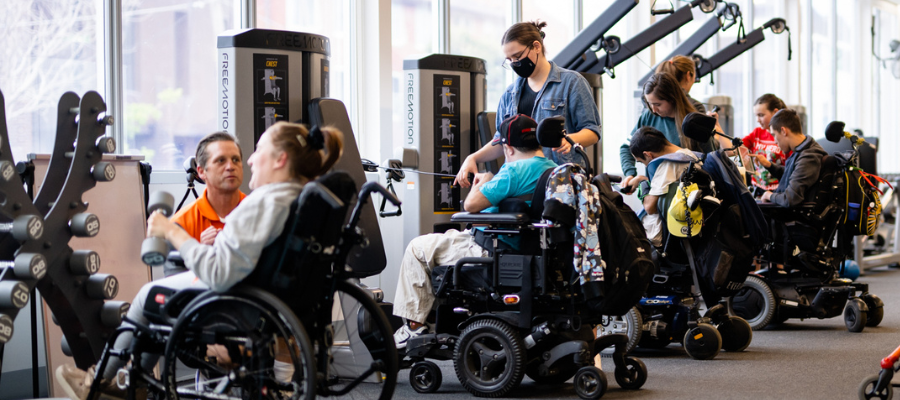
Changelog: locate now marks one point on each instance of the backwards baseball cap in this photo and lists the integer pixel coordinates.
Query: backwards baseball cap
(679, 212)
(517, 131)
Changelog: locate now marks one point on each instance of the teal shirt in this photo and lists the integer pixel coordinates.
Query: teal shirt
(514, 179)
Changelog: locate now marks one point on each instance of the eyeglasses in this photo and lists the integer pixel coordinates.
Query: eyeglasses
(510, 64)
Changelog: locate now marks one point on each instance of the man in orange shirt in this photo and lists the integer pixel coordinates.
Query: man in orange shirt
(219, 164)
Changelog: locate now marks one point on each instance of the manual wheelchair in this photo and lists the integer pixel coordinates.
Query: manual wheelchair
(806, 248)
(298, 306)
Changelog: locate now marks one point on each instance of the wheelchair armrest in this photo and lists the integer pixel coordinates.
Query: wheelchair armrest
(175, 258)
(491, 218)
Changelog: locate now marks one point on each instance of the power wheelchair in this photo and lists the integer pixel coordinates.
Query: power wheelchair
(805, 250)
(690, 271)
(517, 312)
(298, 304)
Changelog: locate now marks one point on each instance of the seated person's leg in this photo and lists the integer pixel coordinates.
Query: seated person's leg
(415, 296)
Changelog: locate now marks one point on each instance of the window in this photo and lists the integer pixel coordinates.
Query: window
(168, 48)
(847, 47)
(558, 15)
(821, 109)
(48, 47)
(412, 27)
(729, 78)
(476, 29)
(768, 61)
(886, 91)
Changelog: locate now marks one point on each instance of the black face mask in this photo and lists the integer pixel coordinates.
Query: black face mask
(524, 68)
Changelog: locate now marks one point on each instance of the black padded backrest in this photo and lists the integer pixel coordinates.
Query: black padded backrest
(486, 127)
(867, 155)
(540, 194)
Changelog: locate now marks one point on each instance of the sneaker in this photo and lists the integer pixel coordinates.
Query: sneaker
(77, 383)
(405, 333)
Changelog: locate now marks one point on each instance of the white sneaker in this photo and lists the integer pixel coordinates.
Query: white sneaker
(405, 333)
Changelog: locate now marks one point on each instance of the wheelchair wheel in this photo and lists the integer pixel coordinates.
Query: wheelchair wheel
(702, 342)
(248, 330)
(425, 377)
(489, 358)
(590, 383)
(736, 334)
(360, 359)
(854, 317)
(633, 375)
(876, 309)
(867, 389)
(755, 302)
(629, 325)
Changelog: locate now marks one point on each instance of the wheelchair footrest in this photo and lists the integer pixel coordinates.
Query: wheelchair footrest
(830, 301)
(438, 346)
(578, 352)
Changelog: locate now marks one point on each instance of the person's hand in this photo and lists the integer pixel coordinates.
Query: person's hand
(564, 148)
(630, 183)
(468, 167)
(762, 160)
(208, 236)
(158, 225)
(482, 178)
(766, 196)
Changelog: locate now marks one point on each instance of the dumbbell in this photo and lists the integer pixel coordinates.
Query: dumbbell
(106, 145)
(104, 171)
(112, 313)
(85, 225)
(13, 294)
(27, 266)
(24, 227)
(84, 262)
(6, 328)
(154, 249)
(102, 286)
(7, 171)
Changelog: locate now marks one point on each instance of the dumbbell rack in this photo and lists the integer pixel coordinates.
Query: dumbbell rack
(67, 280)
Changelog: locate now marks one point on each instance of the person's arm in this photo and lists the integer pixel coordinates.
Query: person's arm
(805, 174)
(476, 201)
(584, 114)
(470, 164)
(777, 170)
(651, 204)
(625, 157)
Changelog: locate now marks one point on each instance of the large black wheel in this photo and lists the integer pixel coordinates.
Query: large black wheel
(867, 389)
(425, 377)
(754, 302)
(633, 375)
(629, 325)
(876, 309)
(489, 358)
(854, 316)
(736, 334)
(703, 342)
(359, 361)
(235, 340)
(590, 383)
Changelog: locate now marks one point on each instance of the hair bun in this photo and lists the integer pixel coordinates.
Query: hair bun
(543, 35)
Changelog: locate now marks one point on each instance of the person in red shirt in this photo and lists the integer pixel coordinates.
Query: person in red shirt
(219, 164)
(760, 144)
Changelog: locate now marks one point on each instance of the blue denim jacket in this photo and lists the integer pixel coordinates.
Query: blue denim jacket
(565, 93)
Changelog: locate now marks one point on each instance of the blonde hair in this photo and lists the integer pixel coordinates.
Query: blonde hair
(664, 87)
(678, 66)
(309, 154)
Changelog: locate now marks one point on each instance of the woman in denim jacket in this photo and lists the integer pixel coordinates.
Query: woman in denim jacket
(550, 91)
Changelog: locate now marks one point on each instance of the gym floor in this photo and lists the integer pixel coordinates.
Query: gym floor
(809, 359)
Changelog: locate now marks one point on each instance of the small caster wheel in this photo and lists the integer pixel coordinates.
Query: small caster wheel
(590, 382)
(854, 316)
(868, 389)
(425, 377)
(876, 309)
(633, 375)
(736, 334)
(703, 342)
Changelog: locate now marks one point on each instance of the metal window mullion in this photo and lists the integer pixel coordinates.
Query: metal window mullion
(112, 60)
(248, 14)
(516, 11)
(748, 78)
(441, 15)
(832, 37)
(578, 15)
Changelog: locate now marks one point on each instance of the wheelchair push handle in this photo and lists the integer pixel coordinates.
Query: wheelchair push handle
(323, 192)
(364, 195)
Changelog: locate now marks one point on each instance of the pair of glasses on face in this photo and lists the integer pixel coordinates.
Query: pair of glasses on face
(508, 64)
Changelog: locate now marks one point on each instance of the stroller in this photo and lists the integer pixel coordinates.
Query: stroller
(519, 313)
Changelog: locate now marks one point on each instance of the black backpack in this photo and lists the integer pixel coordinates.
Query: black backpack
(626, 250)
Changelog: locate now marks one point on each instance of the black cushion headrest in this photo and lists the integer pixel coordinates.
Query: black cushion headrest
(551, 130)
(698, 126)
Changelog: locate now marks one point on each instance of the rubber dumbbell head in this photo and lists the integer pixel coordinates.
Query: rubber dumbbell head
(7, 171)
(162, 201)
(24, 227)
(112, 313)
(104, 171)
(154, 251)
(28, 266)
(6, 328)
(85, 225)
(13, 294)
(106, 145)
(102, 286)
(84, 262)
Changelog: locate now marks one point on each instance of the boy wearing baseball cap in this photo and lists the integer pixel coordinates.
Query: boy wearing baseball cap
(524, 165)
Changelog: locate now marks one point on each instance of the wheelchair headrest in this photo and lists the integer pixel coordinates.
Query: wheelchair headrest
(698, 127)
(551, 131)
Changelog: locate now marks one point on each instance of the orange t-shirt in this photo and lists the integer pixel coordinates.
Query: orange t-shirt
(199, 216)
